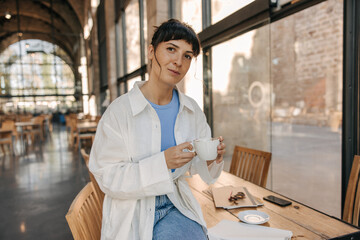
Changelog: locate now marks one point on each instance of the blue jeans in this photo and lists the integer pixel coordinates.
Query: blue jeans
(171, 224)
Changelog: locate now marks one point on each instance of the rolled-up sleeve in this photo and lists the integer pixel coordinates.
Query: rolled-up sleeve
(116, 172)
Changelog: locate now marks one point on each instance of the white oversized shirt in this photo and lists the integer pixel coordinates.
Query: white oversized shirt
(128, 164)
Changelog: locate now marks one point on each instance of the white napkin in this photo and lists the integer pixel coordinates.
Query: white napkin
(230, 230)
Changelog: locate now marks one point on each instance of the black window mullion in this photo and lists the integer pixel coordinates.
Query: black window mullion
(206, 13)
(351, 78)
(171, 9)
(208, 101)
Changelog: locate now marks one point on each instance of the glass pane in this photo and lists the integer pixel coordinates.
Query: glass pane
(132, 36)
(189, 11)
(241, 87)
(223, 8)
(192, 85)
(130, 83)
(306, 72)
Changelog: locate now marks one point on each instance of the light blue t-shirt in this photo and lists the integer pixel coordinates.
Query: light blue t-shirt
(167, 115)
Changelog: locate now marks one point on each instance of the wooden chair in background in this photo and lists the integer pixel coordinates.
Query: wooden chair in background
(352, 198)
(37, 130)
(6, 138)
(85, 214)
(73, 132)
(98, 191)
(251, 165)
(97, 119)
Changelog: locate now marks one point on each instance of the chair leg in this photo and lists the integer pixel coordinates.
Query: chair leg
(77, 139)
(3, 149)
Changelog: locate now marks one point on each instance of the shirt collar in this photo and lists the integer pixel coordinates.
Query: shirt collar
(138, 102)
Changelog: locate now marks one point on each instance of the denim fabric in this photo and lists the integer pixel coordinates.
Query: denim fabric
(171, 224)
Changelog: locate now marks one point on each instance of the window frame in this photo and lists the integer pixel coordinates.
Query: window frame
(142, 70)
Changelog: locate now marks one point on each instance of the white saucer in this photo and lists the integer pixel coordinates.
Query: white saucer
(253, 217)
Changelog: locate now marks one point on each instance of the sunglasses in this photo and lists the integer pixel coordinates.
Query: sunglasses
(237, 196)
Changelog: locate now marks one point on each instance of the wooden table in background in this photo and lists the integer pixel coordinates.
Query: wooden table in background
(85, 126)
(22, 126)
(303, 221)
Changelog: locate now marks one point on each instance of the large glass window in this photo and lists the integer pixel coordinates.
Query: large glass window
(279, 88)
(306, 72)
(30, 68)
(131, 45)
(241, 86)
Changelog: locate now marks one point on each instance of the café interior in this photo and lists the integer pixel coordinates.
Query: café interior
(279, 77)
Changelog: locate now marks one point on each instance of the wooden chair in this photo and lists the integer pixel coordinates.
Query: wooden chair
(97, 118)
(85, 156)
(251, 165)
(352, 198)
(73, 132)
(98, 191)
(38, 130)
(68, 124)
(88, 137)
(7, 138)
(85, 214)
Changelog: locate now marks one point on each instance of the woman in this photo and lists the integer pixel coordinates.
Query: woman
(140, 154)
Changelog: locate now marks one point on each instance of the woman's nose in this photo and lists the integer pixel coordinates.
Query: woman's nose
(178, 60)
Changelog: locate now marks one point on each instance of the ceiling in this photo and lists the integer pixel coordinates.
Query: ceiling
(56, 21)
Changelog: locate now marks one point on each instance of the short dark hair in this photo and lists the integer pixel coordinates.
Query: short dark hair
(175, 30)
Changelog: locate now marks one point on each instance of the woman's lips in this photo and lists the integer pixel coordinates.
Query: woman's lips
(175, 72)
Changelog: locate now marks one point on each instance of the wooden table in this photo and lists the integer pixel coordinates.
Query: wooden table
(23, 125)
(82, 126)
(303, 221)
(85, 127)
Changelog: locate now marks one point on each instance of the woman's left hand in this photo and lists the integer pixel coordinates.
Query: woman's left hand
(220, 150)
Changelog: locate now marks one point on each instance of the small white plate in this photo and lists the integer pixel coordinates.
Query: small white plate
(253, 217)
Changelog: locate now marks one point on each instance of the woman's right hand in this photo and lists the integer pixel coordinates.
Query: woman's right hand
(175, 157)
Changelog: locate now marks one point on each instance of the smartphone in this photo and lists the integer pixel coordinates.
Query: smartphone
(276, 200)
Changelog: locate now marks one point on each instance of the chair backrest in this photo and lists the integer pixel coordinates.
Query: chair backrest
(352, 198)
(97, 118)
(98, 191)
(8, 125)
(25, 118)
(251, 165)
(85, 156)
(84, 215)
(73, 124)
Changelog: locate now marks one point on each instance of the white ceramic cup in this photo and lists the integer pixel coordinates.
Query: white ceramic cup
(206, 148)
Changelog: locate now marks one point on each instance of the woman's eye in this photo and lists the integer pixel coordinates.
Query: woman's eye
(188, 57)
(171, 49)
